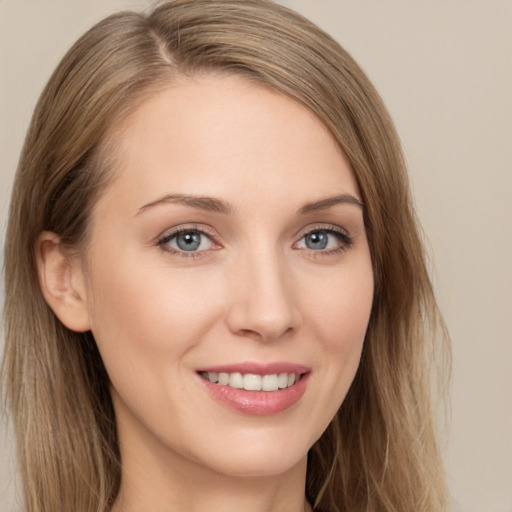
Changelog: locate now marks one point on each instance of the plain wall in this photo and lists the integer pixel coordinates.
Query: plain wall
(444, 69)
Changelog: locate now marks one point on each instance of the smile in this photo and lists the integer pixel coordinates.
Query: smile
(252, 381)
(255, 388)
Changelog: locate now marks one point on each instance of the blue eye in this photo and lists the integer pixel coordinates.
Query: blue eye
(317, 240)
(187, 240)
(325, 240)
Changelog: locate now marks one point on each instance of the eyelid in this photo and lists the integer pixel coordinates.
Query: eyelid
(346, 239)
(322, 227)
(164, 238)
(183, 228)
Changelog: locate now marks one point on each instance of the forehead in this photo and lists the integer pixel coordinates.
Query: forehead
(226, 136)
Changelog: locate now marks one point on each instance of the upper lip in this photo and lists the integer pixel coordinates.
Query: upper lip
(258, 368)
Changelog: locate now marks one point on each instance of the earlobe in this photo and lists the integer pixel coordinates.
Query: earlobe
(62, 283)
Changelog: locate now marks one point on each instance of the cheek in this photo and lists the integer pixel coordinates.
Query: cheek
(145, 326)
(156, 314)
(340, 310)
(338, 319)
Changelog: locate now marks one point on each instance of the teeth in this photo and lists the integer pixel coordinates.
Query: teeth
(236, 380)
(282, 380)
(251, 381)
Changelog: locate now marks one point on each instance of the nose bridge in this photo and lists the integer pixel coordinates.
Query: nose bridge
(263, 301)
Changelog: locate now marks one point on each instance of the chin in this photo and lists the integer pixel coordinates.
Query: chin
(259, 456)
(261, 466)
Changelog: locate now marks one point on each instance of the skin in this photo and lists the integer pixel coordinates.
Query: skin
(255, 291)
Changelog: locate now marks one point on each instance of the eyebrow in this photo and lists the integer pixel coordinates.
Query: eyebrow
(200, 202)
(212, 204)
(324, 204)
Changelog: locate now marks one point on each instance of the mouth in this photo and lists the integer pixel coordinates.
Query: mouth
(253, 381)
(256, 389)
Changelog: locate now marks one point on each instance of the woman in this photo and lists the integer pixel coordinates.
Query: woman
(216, 293)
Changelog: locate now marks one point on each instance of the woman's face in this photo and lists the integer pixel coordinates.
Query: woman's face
(231, 246)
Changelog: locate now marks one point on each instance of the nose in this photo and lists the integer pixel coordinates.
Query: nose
(262, 305)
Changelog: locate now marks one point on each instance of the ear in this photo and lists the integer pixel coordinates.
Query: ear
(62, 282)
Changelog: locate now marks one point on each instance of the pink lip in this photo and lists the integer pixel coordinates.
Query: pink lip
(258, 368)
(258, 402)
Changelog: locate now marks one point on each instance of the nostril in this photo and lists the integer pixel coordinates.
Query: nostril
(265, 334)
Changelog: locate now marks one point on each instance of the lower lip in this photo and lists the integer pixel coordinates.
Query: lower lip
(258, 403)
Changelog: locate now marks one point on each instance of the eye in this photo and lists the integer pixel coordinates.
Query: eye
(186, 241)
(318, 240)
(324, 240)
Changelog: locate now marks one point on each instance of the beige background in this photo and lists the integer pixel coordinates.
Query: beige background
(444, 68)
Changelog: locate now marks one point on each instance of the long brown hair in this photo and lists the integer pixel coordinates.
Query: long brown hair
(380, 452)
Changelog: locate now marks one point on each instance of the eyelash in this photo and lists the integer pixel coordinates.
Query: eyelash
(164, 241)
(345, 240)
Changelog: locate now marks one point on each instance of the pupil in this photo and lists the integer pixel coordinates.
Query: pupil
(189, 241)
(317, 240)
